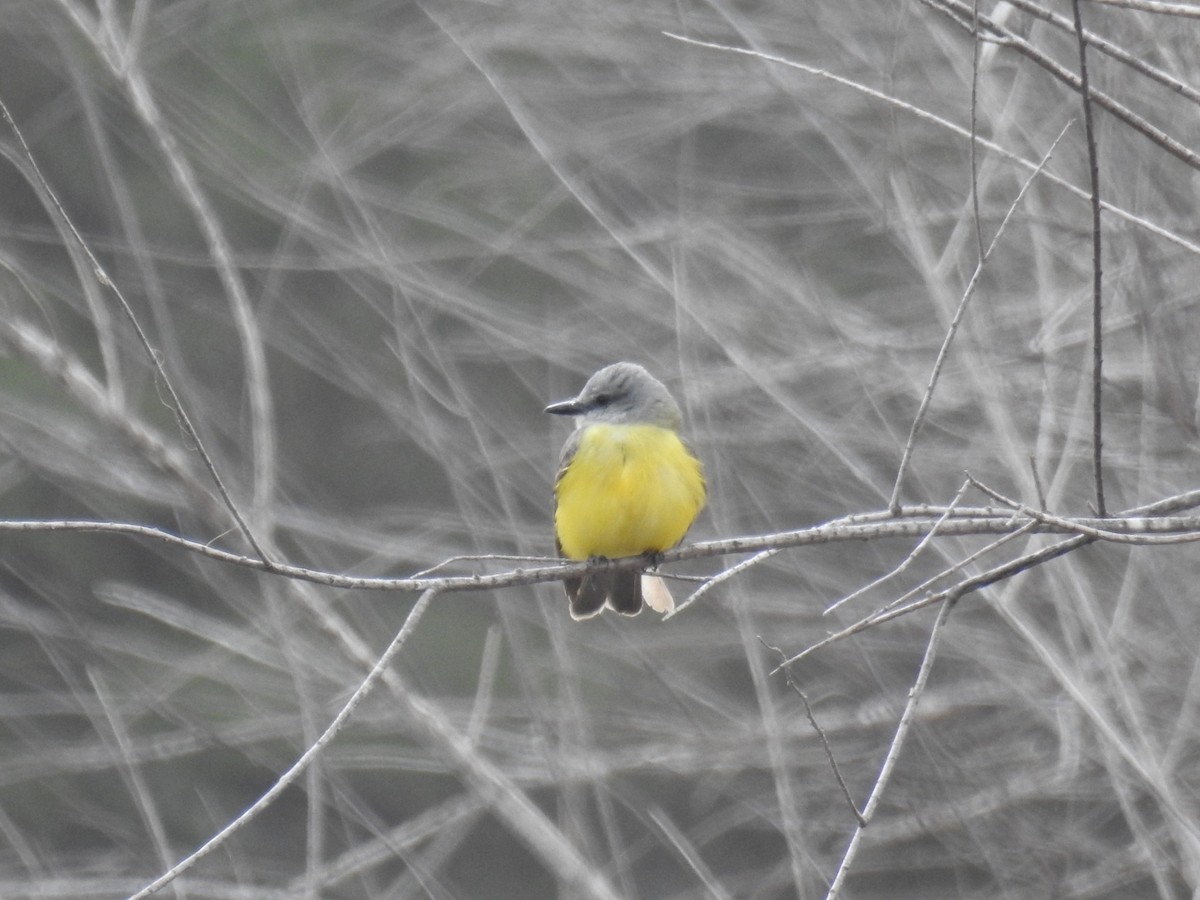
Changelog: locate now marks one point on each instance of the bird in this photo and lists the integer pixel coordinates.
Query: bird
(627, 485)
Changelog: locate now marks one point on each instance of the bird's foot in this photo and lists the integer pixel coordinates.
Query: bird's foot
(653, 559)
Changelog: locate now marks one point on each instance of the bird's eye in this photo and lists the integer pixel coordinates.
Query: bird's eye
(603, 399)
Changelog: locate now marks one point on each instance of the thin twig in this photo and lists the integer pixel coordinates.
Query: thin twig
(1037, 482)
(257, 380)
(297, 768)
(837, 773)
(1186, 10)
(691, 856)
(485, 684)
(1097, 268)
(1100, 534)
(964, 587)
(132, 773)
(959, 566)
(717, 579)
(944, 350)
(975, 132)
(175, 404)
(959, 13)
(908, 560)
(915, 693)
(923, 114)
(1105, 46)
(482, 557)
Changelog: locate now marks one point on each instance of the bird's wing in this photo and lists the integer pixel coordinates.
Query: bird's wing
(568, 453)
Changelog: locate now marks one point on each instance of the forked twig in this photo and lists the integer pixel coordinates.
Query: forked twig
(837, 773)
(889, 761)
(710, 583)
(958, 566)
(908, 560)
(1100, 534)
(951, 594)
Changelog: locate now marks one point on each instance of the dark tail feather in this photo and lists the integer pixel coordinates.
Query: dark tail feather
(587, 595)
(625, 593)
(621, 590)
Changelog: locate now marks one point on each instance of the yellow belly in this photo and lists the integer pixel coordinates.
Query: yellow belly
(629, 489)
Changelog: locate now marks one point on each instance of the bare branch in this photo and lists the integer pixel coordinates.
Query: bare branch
(915, 693)
(297, 768)
(1185, 10)
(1097, 269)
(1108, 48)
(920, 113)
(959, 12)
(102, 276)
(1139, 526)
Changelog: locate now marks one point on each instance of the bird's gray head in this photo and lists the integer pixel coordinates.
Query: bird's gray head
(622, 394)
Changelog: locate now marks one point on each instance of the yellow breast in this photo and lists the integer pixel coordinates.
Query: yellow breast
(628, 490)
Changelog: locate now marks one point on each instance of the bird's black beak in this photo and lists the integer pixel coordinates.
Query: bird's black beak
(565, 408)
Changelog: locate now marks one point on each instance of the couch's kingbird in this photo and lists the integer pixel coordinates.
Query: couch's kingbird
(627, 486)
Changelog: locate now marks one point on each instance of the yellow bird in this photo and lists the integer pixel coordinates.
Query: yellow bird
(627, 486)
